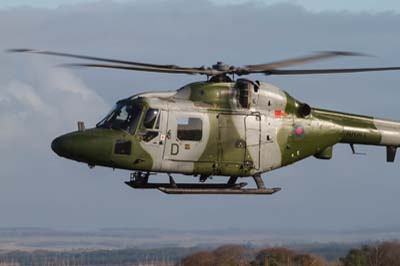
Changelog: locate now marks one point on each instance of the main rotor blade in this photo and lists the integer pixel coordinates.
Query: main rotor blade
(33, 51)
(298, 61)
(326, 71)
(190, 71)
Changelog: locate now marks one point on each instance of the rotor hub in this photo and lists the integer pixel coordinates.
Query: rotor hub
(221, 66)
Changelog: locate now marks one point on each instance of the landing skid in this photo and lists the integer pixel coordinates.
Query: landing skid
(140, 180)
(231, 191)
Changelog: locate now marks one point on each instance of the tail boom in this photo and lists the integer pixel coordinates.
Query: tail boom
(358, 129)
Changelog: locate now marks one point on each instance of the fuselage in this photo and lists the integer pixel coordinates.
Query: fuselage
(237, 128)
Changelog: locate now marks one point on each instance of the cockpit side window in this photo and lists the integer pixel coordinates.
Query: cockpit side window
(150, 125)
(150, 118)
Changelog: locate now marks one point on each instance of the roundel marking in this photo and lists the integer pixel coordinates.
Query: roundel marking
(299, 131)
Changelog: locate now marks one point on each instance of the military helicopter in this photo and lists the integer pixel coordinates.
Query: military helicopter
(218, 127)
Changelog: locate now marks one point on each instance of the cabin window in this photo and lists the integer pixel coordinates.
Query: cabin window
(189, 128)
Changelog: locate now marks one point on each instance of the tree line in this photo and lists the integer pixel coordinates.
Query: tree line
(236, 255)
(383, 254)
(379, 254)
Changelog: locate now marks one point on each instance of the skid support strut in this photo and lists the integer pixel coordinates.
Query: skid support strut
(259, 182)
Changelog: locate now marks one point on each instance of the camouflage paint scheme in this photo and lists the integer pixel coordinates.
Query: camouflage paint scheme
(274, 130)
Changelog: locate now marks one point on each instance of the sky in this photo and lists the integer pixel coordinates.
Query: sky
(39, 101)
(313, 5)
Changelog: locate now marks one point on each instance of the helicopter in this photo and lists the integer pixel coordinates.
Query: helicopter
(220, 126)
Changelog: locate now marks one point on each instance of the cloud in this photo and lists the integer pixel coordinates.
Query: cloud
(51, 106)
(25, 95)
(19, 102)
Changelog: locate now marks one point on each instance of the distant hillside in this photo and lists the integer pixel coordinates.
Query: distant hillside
(29, 239)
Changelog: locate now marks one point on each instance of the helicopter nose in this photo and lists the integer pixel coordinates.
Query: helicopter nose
(87, 146)
(63, 145)
(57, 146)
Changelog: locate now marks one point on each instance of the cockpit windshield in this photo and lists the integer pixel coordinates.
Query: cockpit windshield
(124, 116)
